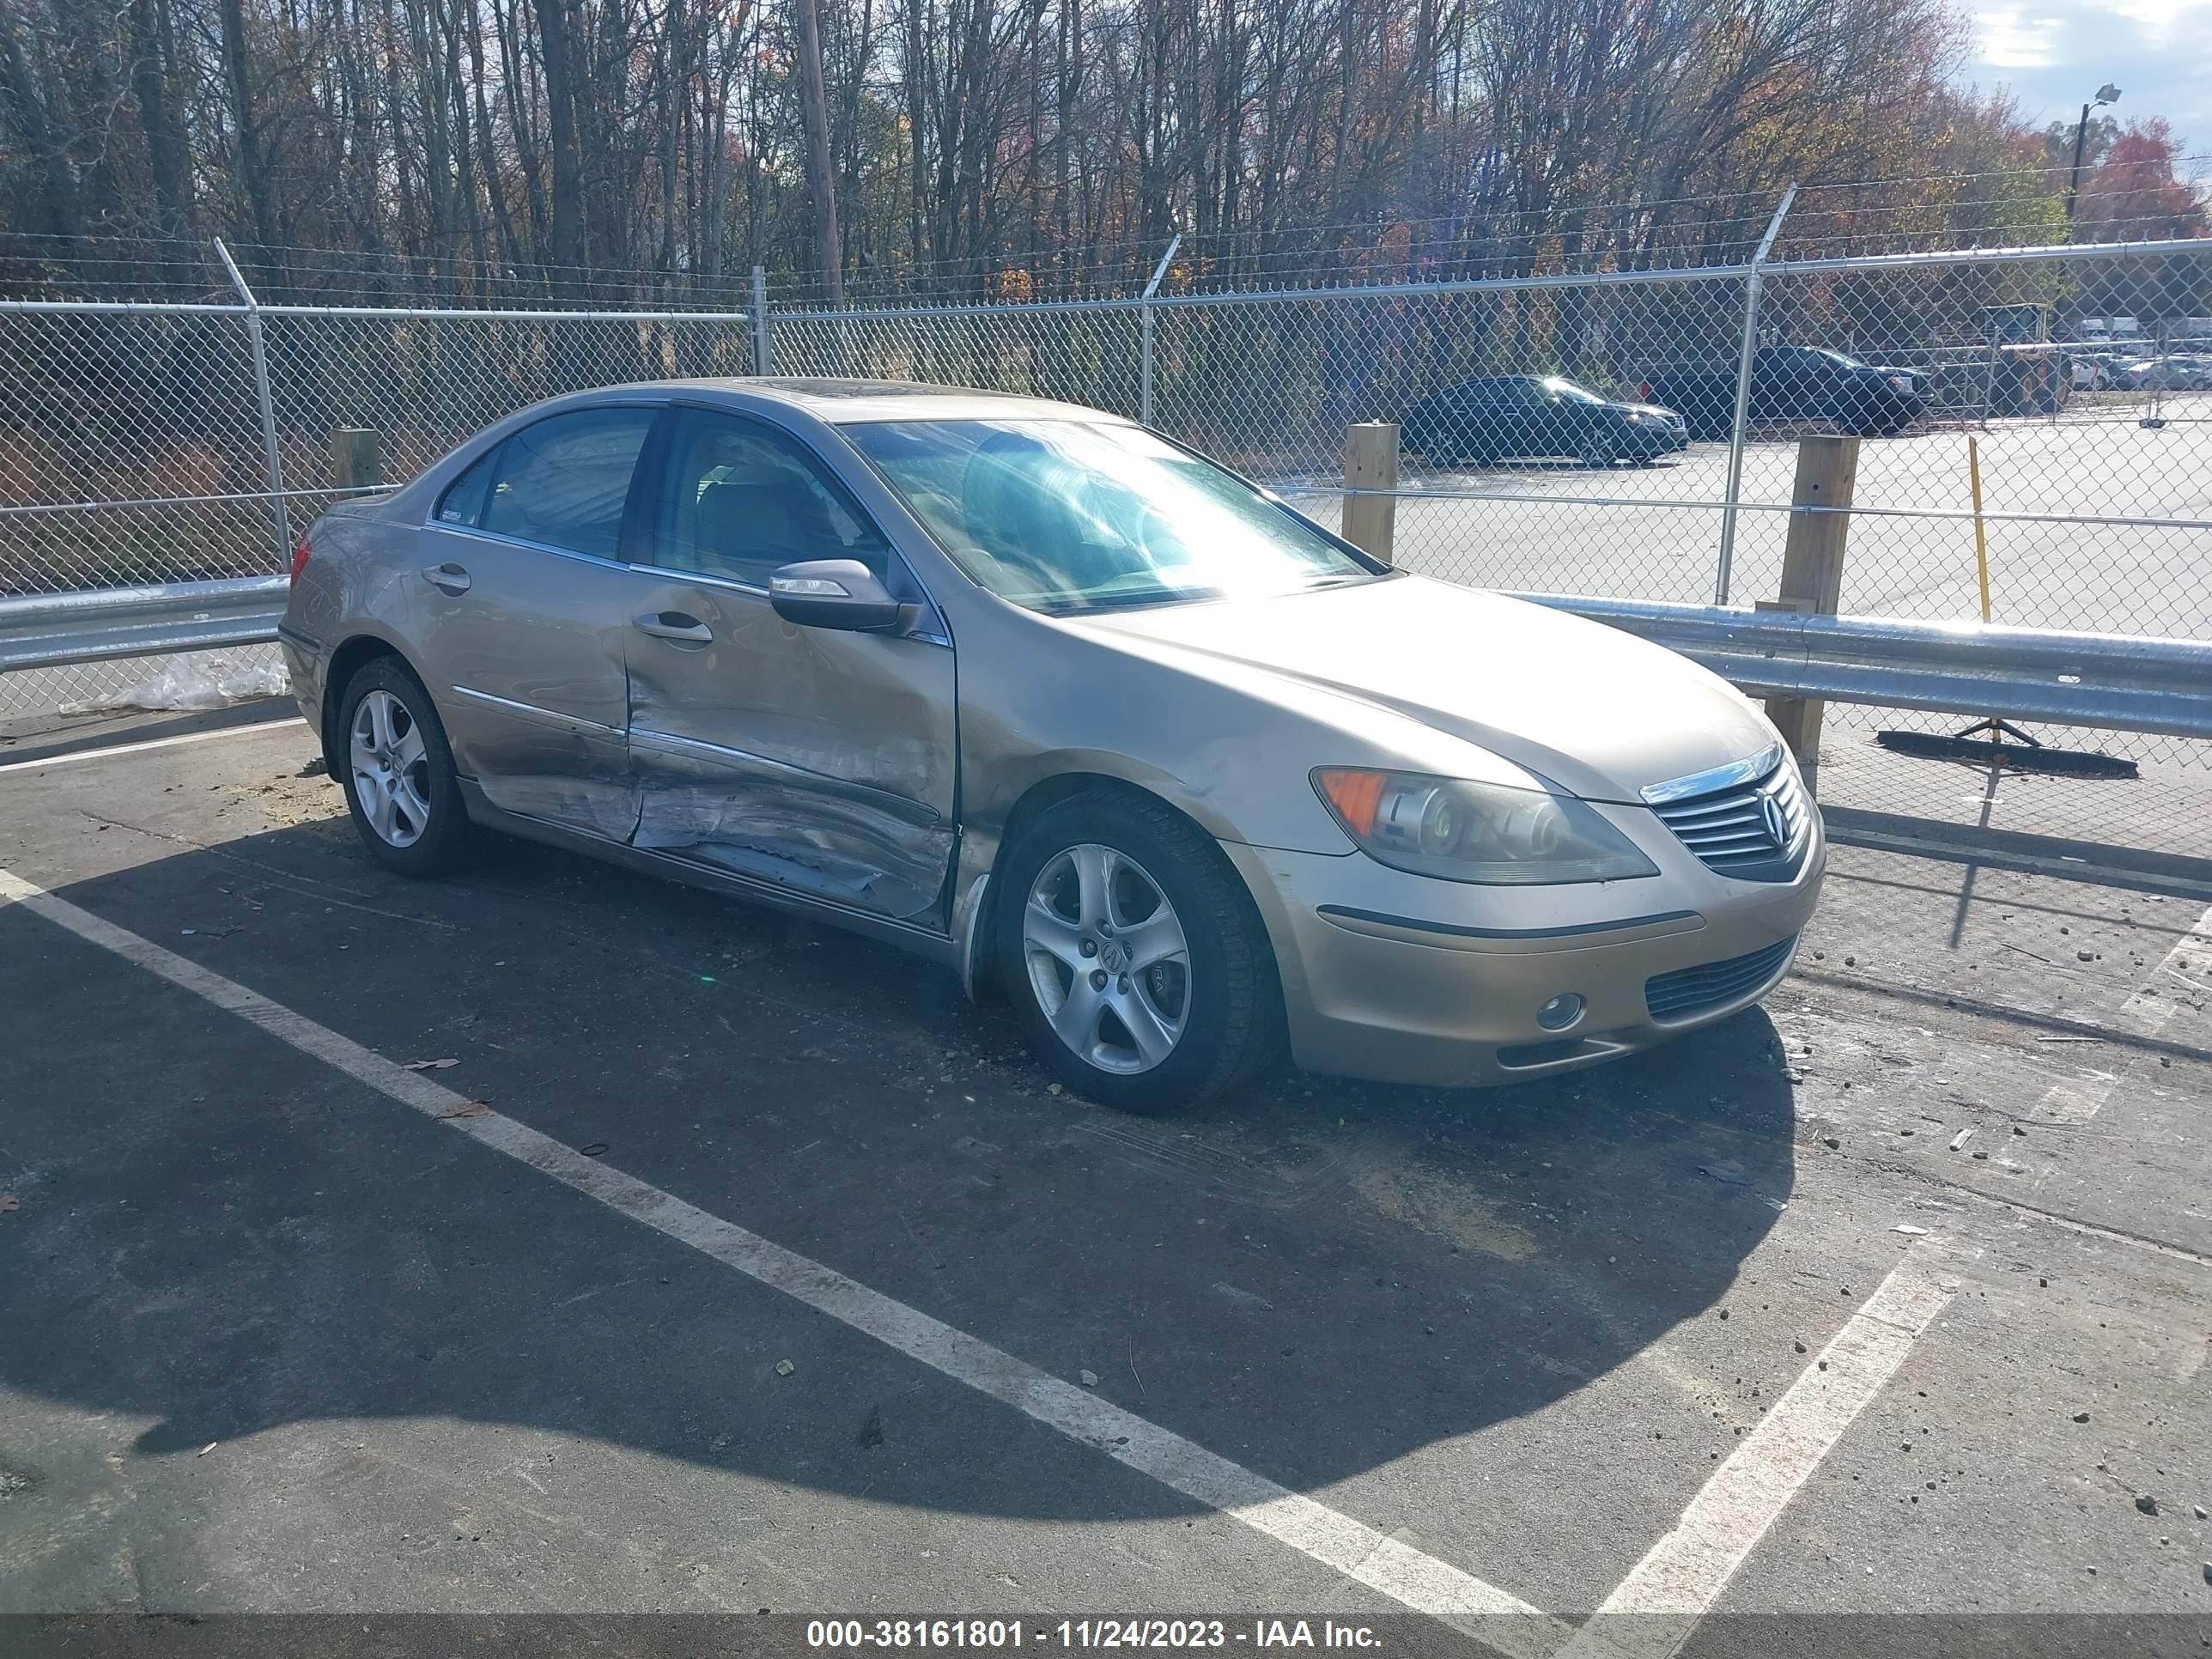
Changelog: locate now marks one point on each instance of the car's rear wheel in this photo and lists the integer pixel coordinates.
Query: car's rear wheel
(1599, 450)
(1133, 954)
(398, 772)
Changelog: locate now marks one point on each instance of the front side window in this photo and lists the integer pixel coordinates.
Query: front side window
(1073, 515)
(740, 499)
(564, 480)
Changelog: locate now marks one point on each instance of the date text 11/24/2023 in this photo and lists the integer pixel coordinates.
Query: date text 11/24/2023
(990, 1634)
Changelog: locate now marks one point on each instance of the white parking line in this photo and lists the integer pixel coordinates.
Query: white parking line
(73, 757)
(1660, 1602)
(1417, 1581)
(2145, 1013)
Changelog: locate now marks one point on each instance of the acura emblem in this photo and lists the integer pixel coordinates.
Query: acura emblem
(1770, 814)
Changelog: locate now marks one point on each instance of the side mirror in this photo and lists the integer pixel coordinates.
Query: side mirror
(841, 594)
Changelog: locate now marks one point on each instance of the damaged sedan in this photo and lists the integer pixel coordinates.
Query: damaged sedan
(1043, 696)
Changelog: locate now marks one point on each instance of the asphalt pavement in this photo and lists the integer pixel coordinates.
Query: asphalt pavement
(552, 1240)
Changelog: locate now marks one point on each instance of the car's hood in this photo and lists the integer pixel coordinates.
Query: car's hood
(1598, 712)
(1648, 411)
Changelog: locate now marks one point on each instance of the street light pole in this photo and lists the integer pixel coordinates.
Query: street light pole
(2107, 94)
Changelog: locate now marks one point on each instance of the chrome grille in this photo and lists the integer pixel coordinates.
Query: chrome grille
(1690, 991)
(1752, 827)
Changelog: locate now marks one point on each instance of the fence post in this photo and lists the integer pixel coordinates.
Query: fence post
(1144, 332)
(763, 355)
(1754, 282)
(1812, 574)
(356, 460)
(272, 461)
(1370, 463)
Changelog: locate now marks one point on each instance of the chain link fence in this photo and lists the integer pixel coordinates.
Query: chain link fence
(2036, 426)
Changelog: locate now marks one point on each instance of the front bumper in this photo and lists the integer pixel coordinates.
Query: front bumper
(1403, 979)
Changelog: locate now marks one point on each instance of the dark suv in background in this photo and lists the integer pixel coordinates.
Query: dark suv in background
(1794, 383)
(1536, 416)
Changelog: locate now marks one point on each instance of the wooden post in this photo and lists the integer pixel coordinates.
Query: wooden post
(1370, 462)
(1812, 575)
(356, 459)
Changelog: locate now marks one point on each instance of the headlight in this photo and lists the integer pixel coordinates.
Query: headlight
(1902, 382)
(1490, 833)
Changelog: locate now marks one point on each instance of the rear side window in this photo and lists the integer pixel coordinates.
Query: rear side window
(563, 482)
(463, 502)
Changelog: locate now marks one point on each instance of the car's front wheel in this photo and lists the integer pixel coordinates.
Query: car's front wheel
(1133, 954)
(398, 773)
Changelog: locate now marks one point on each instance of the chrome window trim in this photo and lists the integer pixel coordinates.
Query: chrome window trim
(1714, 779)
(501, 540)
(531, 711)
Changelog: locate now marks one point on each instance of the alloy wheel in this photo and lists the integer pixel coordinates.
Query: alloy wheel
(391, 769)
(1107, 958)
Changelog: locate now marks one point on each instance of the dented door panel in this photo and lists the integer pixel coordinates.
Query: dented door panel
(818, 760)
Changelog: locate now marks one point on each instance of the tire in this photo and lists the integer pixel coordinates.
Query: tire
(1598, 450)
(1219, 1002)
(408, 812)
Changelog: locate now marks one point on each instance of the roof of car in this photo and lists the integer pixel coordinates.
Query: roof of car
(845, 401)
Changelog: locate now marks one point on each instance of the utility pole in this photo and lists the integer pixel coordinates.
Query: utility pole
(821, 175)
(2107, 94)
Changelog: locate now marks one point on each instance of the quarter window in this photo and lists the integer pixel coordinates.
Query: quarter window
(740, 500)
(463, 502)
(563, 482)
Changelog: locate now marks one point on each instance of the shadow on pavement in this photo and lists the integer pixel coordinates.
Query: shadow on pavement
(219, 1235)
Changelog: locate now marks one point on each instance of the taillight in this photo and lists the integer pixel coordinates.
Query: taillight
(300, 556)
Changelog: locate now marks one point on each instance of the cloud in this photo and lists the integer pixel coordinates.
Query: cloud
(2055, 53)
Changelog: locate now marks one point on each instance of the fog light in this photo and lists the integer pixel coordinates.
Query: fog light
(1560, 1011)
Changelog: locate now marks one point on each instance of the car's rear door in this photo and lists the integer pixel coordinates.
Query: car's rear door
(819, 761)
(524, 622)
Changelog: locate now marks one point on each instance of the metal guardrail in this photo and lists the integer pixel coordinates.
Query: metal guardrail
(2116, 682)
(55, 631)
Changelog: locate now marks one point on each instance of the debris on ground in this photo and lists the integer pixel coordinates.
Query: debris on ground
(2146, 1505)
(205, 1449)
(9, 1201)
(784, 1367)
(1910, 1230)
(1958, 1140)
(2080, 1417)
(1090, 1379)
(196, 680)
(428, 1065)
(317, 768)
(467, 1109)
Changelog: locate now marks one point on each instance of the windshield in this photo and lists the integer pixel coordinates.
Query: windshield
(1569, 390)
(1069, 515)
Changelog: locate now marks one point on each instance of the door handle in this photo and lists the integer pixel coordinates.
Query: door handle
(674, 625)
(447, 578)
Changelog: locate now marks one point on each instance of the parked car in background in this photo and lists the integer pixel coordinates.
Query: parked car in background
(2174, 372)
(1537, 416)
(1794, 384)
(1041, 696)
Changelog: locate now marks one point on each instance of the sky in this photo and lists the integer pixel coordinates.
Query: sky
(2054, 54)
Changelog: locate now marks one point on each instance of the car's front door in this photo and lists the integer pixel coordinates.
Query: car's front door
(818, 760)
(522, 627)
